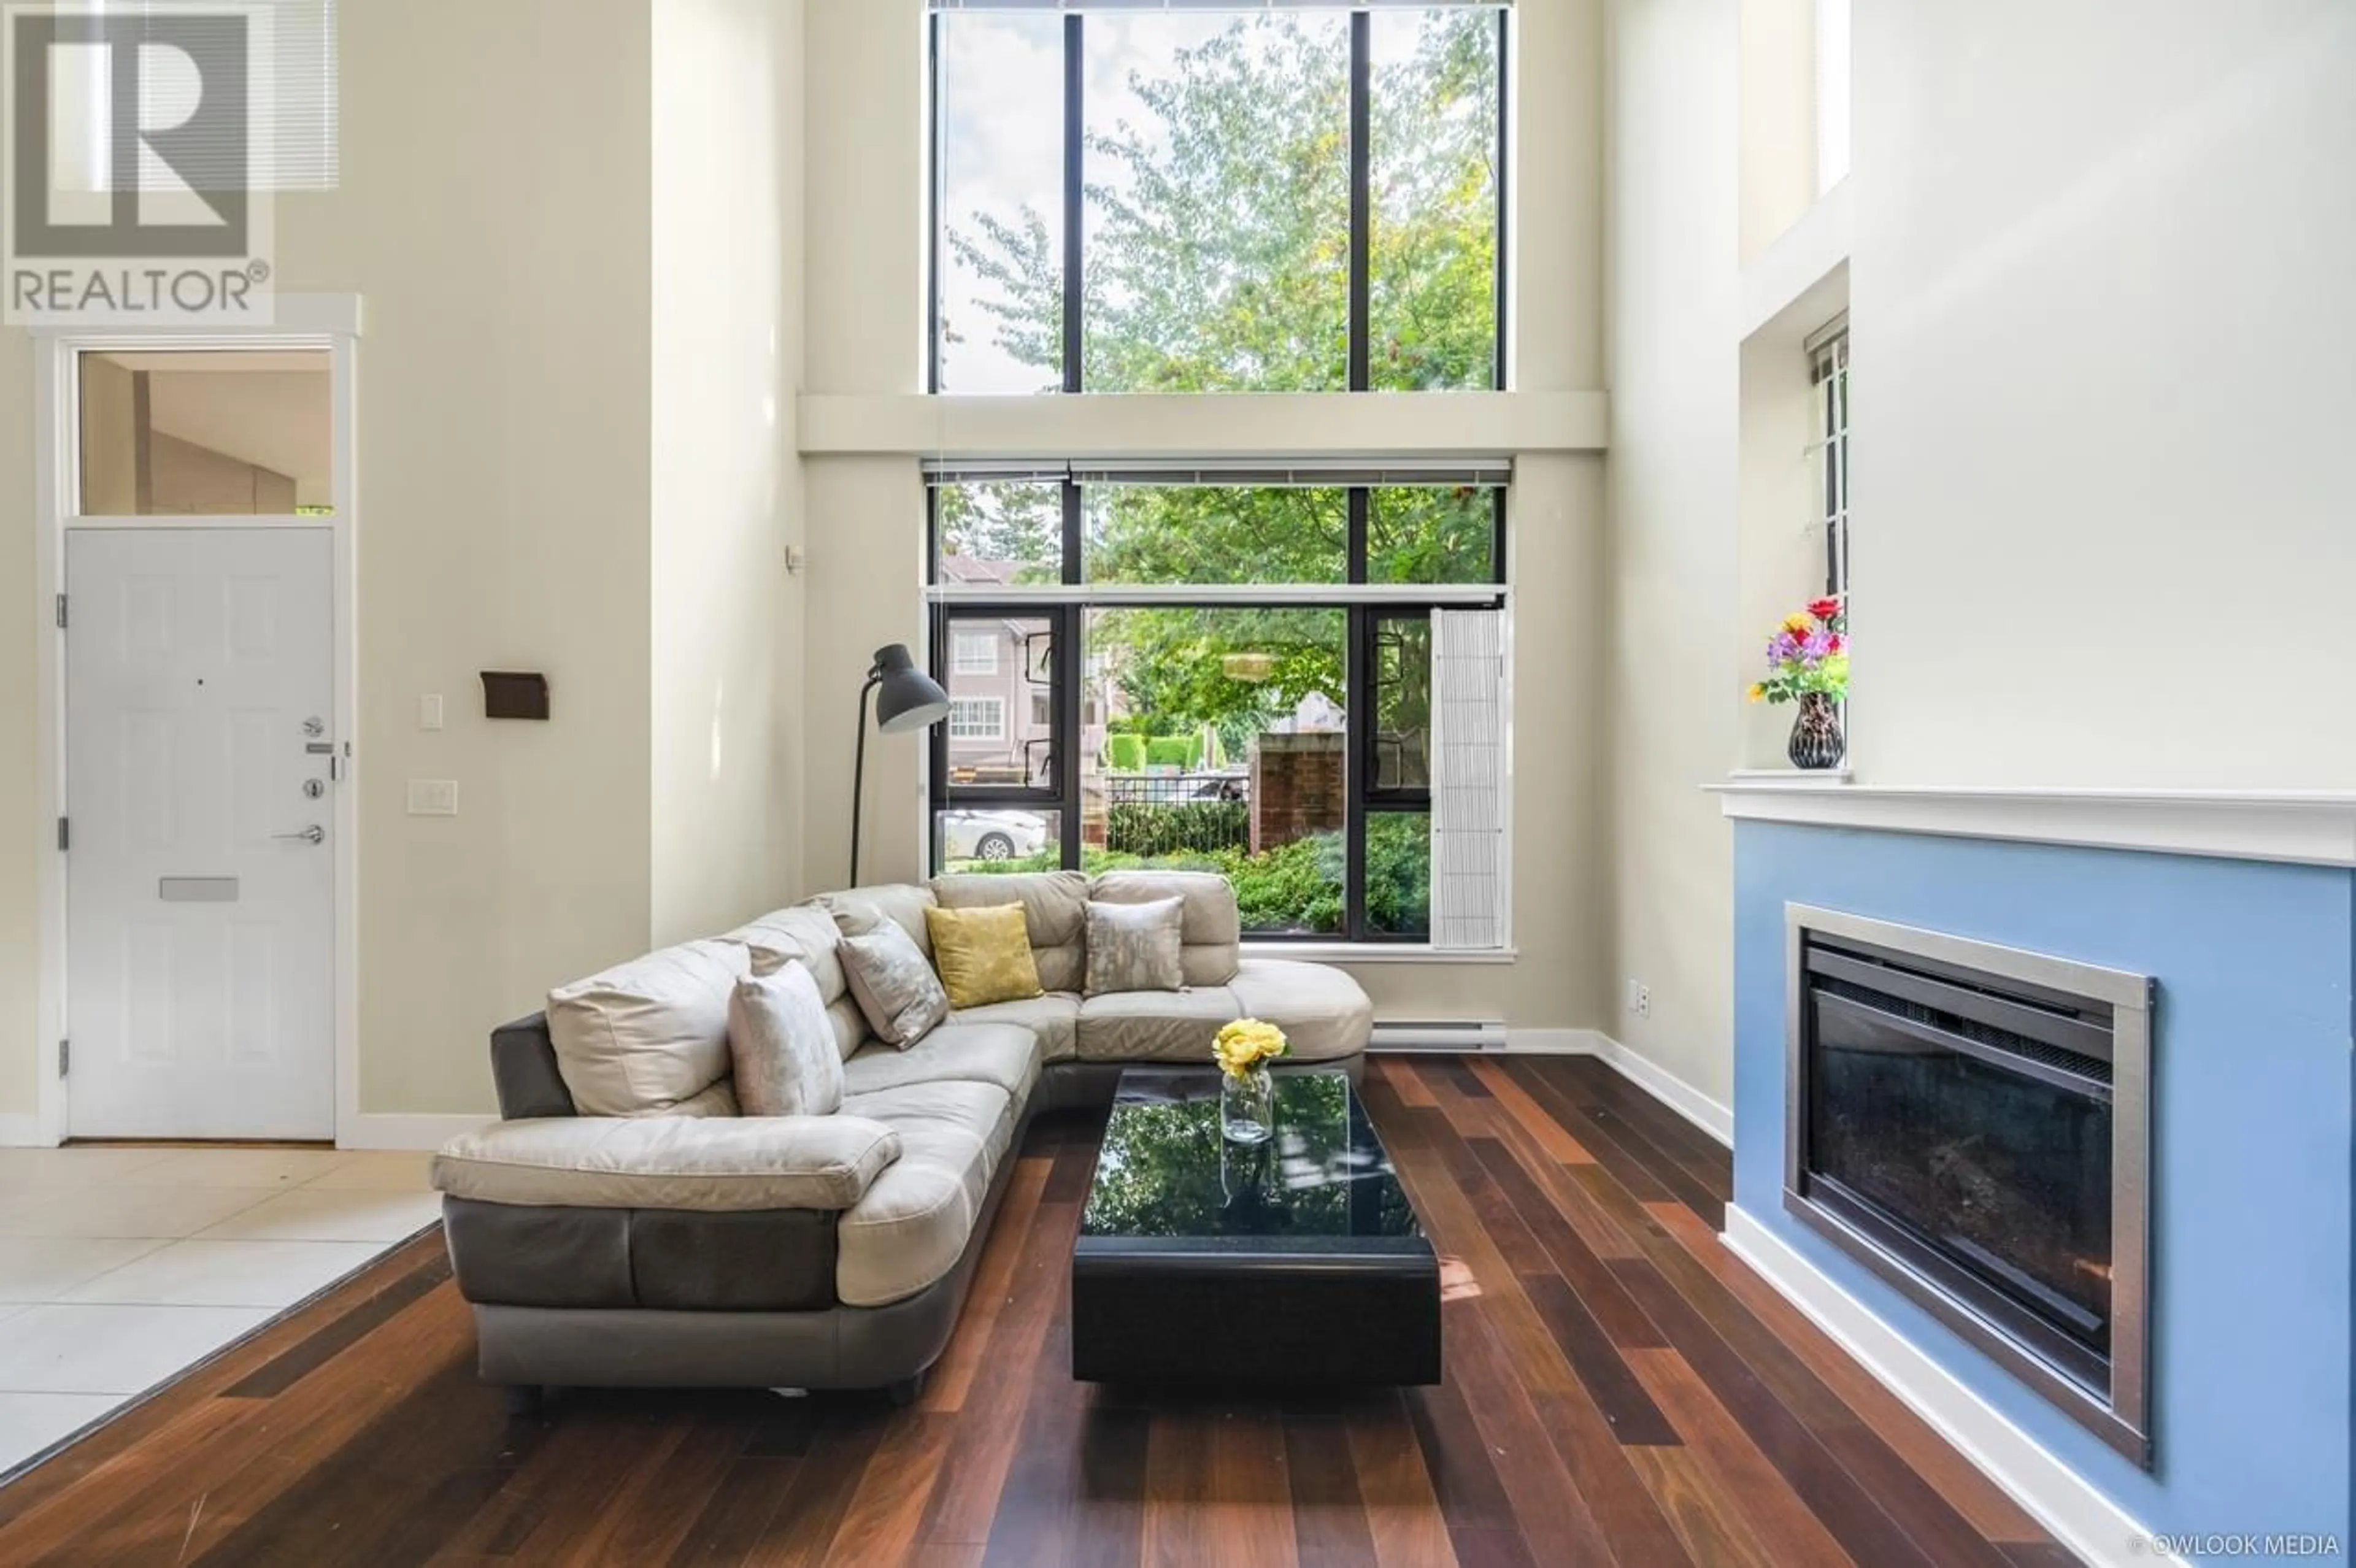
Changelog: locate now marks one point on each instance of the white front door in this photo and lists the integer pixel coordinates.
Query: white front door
(199, 790)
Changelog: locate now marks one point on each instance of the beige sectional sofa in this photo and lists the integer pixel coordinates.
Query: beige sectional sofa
(624, 1226)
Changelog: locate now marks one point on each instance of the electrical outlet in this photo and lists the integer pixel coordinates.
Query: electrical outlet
(1639, 998)
(429, 712)
(432, 797)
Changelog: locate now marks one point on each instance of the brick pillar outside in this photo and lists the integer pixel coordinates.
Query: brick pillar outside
(1300, 786)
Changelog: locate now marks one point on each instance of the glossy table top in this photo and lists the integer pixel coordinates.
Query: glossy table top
(1166, 1175)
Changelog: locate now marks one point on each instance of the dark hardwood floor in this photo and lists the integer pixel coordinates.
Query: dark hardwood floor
(1621, 1391)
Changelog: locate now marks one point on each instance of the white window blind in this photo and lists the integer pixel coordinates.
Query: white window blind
(1221, 5)
(1468, 779)
(294, 144)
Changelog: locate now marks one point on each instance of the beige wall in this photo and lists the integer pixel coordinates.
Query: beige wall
(494, 213)
(1669, 664)
(726, 482)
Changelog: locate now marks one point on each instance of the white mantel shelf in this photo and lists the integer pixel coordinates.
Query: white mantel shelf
(2301, 826)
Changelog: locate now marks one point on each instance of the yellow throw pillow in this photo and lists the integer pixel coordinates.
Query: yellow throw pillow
(983, 954)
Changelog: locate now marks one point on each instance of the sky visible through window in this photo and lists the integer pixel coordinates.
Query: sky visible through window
(1003, 134)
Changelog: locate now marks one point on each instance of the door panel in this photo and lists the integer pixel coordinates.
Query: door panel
(201, 927)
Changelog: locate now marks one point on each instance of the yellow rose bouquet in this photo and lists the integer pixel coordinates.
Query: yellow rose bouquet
(1246, 1095)
(1245, 1044)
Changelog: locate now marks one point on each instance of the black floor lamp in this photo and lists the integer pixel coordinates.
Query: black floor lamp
(910, 699)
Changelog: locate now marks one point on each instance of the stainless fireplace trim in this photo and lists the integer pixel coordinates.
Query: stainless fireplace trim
(2124, 1422)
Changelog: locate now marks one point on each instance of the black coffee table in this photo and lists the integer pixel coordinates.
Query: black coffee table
(1297, 1261)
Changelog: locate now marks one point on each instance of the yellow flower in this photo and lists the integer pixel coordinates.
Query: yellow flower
(1799, 626)
(1758, 692)
(1245, 1044)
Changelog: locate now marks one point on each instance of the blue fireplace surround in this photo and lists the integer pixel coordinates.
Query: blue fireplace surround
(2254, 1274)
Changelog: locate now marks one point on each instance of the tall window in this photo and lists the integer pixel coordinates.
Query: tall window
(1233, 671)
(1828, 351)
(1140, 197)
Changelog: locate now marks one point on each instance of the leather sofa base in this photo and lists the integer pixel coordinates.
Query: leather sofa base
(827, 1348)
(831, 1348)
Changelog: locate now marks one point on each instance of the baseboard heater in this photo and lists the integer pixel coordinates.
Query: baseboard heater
(1446, 1034)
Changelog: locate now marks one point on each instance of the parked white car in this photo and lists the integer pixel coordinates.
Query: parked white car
(991, 835)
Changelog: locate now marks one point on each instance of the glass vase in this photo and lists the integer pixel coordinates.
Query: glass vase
(1818, 742)
(1248, 1107)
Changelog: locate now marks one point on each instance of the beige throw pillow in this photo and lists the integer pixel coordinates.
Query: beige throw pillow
(1137, 947)
(783, 1046)
(646, 1035)
(896, 987)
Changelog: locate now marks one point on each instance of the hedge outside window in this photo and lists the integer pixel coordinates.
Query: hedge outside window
(1283, 743)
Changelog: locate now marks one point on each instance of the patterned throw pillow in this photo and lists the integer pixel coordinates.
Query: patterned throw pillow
(983, 954)
(1137, 947)
(895, 988)
(783, 1046)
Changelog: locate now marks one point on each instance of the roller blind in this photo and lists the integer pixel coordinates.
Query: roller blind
(1468, 779)
(1220, 4)
(1258, 474)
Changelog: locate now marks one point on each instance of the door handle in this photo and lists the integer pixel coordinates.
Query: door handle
(315, 834)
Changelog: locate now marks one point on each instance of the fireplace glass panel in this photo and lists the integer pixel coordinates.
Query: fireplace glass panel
(2004, 1174)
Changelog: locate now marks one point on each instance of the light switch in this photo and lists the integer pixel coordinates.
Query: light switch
(432, 797)
(429, 712)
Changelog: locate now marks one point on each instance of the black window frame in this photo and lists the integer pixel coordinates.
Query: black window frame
(1364, 799)
(1359, 378)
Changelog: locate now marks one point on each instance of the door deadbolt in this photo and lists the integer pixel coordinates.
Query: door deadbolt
(314, 728)
(313, 788)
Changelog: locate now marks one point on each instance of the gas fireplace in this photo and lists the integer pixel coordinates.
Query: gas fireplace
(1972, 1123)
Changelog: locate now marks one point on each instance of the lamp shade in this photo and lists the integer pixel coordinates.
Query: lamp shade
(906, 697)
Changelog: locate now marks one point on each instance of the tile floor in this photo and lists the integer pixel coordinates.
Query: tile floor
(121, 1266)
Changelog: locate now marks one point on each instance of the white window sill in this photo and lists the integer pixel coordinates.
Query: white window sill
(1376, 953)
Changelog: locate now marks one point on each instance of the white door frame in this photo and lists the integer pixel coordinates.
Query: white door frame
(330, 322)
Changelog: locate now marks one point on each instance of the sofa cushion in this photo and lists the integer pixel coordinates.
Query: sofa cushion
(670, 1162)
(895, 983)
(1212, 929)
(1053, 905)
(1324, 1013)
(1136, 947)
(1054, 1018)
(781, 1046)
(1005, 1055)
(857, 912)
(983, 955)
(915, 1220)
(809, 934)
(641, 1037)
(1154, 1025)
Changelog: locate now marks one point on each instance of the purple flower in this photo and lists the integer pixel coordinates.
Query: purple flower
(1818, 645)
(1781, 647)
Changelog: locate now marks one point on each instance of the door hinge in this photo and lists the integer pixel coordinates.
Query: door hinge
(65, 834)
(65, 1057)
(62, 612)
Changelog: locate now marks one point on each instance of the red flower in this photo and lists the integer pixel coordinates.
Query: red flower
(1824, 609)
(1839, 644)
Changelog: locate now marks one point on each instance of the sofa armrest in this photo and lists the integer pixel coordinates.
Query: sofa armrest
(708, 1164)
(524, 1071)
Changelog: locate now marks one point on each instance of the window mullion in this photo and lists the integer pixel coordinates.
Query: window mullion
(1362, 51)
(1074, 199)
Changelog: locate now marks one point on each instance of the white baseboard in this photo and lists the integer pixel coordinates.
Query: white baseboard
(375, 1131)
(2079, 1517)
(1665, 1086)
(23, 1131)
